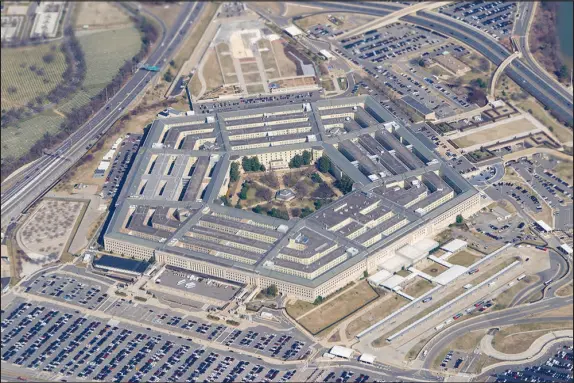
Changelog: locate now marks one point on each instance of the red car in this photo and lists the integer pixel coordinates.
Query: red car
(457, 316)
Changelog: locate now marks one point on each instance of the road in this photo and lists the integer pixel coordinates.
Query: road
(539, 85)
(34, 182)
(515, 315)
(520, 36)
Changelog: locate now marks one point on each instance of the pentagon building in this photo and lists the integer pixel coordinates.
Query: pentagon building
(170, 207)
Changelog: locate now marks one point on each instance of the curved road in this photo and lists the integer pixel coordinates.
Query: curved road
(34, 182)
(515, 315)
(539, 85)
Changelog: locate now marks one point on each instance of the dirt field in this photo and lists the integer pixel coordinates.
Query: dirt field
(463, 258)
(226, 62)
(517, 338)
(287, 67)
(496, 133)
(417, 287)
(100, 15)
(252, 77)
(384, 306)
(249, 67)
(211, 72)
(339, 307)
(255, 89)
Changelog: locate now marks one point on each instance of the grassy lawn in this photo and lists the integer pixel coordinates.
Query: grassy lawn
(435, 269)
(19, 83)
(339, 307)
(418, 288)
(327, 84)
(517, 338)
(191, 42)
(403, 273)
(496, 133)
(565, 290)
(298, 308)
(463, 258)
(386, 305)
(255, 89)
(102, 63)
(564, 171)
(468, 342)
(503, 299)
(252, 77)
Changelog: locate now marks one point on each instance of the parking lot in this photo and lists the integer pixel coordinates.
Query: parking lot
(126, 153)
(493, 17)
(556, 368)
(551, 188)
(75, 290)
(250, 102)
(72, 345)
(377, 52)
(291, 345)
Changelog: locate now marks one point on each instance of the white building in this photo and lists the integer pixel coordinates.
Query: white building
(342, 352)
(454, 246)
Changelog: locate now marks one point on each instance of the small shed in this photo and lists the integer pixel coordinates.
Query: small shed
(342, 352)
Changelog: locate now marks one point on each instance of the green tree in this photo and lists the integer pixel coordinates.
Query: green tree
(167, 76)
(243, 192)
(306, 156)
(305, 212)
(225, 200)
(365, 274)
(421, 62)
(324, 164)
(563, 73)
(318, 300)
(296, 161)
(271, 291)
(246, 164)
(459, 219)
(345, 184)
(234, 172)
(172, 63)
(316, 178)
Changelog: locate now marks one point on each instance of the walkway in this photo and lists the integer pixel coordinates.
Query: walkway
(499, 71)
(536, 346)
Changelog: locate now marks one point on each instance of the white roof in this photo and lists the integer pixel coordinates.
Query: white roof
(412, 253)
(395, 263)
(543, 225)
(393, 282)
(343, 352)
(368, 358)
(293, 30)
(564, 247)
(454, 245)
(104, 165)
(450, 275)
(426, 244)
(326, 53)
(109, 155)
(379, 276)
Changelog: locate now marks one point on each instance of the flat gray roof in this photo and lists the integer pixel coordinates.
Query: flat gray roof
(188, 210)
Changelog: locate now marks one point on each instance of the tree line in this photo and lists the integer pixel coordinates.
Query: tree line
(78, 116)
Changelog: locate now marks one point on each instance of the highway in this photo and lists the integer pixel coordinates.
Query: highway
(538, 85)
(515, 315)
(35, 181)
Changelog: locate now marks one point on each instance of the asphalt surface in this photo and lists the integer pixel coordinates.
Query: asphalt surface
(34, 182)
(539, 85)
(515, 315)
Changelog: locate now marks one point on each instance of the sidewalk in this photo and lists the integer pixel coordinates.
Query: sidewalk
(533, 350)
